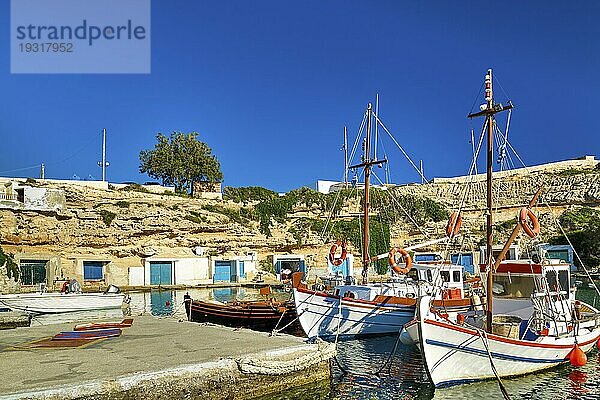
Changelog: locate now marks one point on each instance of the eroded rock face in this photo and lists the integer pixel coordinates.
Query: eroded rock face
(120, 226)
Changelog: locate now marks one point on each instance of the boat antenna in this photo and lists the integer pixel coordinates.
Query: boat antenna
(489, 110)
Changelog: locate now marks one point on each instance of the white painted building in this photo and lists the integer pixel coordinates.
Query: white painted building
(234, 269)
(188, 271)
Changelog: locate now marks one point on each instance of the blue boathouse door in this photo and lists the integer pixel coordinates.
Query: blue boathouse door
(160, 273)
(222, 271)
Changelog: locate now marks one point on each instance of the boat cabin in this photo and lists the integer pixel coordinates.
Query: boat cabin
(522, 288)
(420, 281)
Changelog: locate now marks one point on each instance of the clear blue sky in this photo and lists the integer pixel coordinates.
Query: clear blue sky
(269, 86)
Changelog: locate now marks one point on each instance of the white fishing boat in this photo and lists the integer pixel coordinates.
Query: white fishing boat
(378, 308)
(348, 310)
(531, 321)
(62, 302)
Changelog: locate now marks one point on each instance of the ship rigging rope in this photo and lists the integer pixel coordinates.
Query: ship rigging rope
(401, 148)
(557, 222)
(358, 136)
(466, 191)
(395, 200)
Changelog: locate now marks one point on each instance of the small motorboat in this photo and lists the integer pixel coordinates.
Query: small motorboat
(66, 301)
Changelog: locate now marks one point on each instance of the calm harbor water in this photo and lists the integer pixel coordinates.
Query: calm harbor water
(367, 369)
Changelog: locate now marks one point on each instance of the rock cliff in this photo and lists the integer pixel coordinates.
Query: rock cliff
(127, 225)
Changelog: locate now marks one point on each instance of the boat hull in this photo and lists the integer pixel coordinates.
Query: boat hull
(257, 315)
(456, 354)
(54, 303)
(327, 316)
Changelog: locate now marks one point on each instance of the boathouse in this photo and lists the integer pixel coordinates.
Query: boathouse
(165, 271)
(286, 264)
(234, 269)
(563, 252)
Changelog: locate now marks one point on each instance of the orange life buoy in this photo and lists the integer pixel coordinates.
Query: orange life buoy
(454, 223)
(405, 256)
(531, 231)
(337, 261)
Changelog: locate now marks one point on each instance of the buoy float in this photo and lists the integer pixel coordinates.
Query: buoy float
(577, 357)
(332, 258)
(405, 256)
(454, 223)
(524, 214)
(167, 303)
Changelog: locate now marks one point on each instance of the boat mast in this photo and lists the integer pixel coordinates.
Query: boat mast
(367, 163)
(365, 250)
(488, 110)
(489, 96)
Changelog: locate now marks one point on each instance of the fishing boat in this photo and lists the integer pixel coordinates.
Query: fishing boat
(349, 310)
(264, 315)
(531, 320)
(62, 302)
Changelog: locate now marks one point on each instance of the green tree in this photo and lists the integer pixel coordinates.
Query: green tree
(582, 225)
(180, 160)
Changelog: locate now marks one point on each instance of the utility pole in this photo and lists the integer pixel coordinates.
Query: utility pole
(103, 164)
(422, 173)
(43, 172)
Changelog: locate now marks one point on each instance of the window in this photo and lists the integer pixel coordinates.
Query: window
(93, 270)
(413, 274)
(32, 272)
(562, 283)
(513, 286)
(456, 276)
(445, 276)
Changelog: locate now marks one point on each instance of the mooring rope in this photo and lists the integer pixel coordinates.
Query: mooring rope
(483, 336)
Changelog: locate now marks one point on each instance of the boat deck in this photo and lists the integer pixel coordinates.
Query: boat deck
(157, 356)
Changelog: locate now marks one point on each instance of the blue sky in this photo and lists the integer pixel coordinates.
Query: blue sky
(269, 86)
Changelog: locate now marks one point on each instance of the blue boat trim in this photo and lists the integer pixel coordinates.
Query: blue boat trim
(494, 355)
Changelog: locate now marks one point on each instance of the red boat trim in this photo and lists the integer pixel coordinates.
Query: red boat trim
(506, 340)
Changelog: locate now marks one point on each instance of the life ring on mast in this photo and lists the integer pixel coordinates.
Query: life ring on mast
(531, 231)
(337, 261)
(454, 223)
(392, 260)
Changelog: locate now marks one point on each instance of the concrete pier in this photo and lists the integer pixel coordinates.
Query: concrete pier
(14, 319)
(159, 358)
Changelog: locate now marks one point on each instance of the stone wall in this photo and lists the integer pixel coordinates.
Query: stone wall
(514, 190)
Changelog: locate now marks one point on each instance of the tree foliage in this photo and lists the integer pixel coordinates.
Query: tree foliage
(180, 160)
(582, 226)
(7, 260)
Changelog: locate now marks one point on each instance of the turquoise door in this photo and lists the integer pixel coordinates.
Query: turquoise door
(222, 271)
(160, 273)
